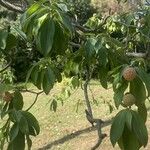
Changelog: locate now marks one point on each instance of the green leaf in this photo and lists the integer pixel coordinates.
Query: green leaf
(63, 7)
(32, 131)
(58, 75)
(60, 37)
(65, 20)
(128, 140)
(23, 125)
(33, 9)
(129, 119)
(15, 116)
(48, 80)
(5, 87)
(11, 42)
(18, 100)
(13, 132)
(75, 82)
(119, 93)
(117, 127)
(139, 128)
(32, 121)
(142, 110)
(137, 88)
(18, 143)
(103, 72)
(46, 36)
(89, 48)
(4, 110)
(53, 105)
(40, 79)
(145, 78)
(34, 74)
(3, 38)
(20, 33)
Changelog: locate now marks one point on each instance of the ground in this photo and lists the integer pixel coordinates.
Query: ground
(67, 129)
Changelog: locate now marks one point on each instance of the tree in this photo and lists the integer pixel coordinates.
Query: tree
(113, 48)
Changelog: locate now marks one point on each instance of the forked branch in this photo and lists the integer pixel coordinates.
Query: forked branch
(89, 113)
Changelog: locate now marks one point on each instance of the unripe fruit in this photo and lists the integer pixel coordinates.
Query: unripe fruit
(129, 73)
(128, 99)
(7, 97)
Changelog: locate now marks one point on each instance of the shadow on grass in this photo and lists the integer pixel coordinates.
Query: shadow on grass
(72, 136)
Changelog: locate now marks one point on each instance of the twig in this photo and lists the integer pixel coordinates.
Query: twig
(75, 44)
(29, 91)
(36, 98)
(138, 55)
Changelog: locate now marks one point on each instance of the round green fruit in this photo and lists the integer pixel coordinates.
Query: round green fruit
(128, 100)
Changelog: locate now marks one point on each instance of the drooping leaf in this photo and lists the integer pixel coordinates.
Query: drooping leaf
(103, 76)
(117, 127)
(11, 42)
(119, 93)
(18, 143)
(3, 38)
(89, 48)
(128, 140)
(60, 37)
(34, 74)
(13, 132)
(145, 78)
(142, 110)
(15, 116)
(32, 121)
(75, 82)
(23, 125)
(129, 119)
(40, 77)
(65, 20)
(137, 88)
(18, 100)
(53, 105)
(139, 128)
(46, 36)
(48, 80)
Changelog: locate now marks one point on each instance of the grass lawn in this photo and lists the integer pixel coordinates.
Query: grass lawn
(67, 129)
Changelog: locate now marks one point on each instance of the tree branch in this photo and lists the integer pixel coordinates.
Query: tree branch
(89, 114)
(13, 6)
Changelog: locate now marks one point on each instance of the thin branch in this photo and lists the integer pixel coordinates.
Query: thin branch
(89, 109)
(13, 7)
(29, 91)
(36, 98)
(138, 55)
(75, 44)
